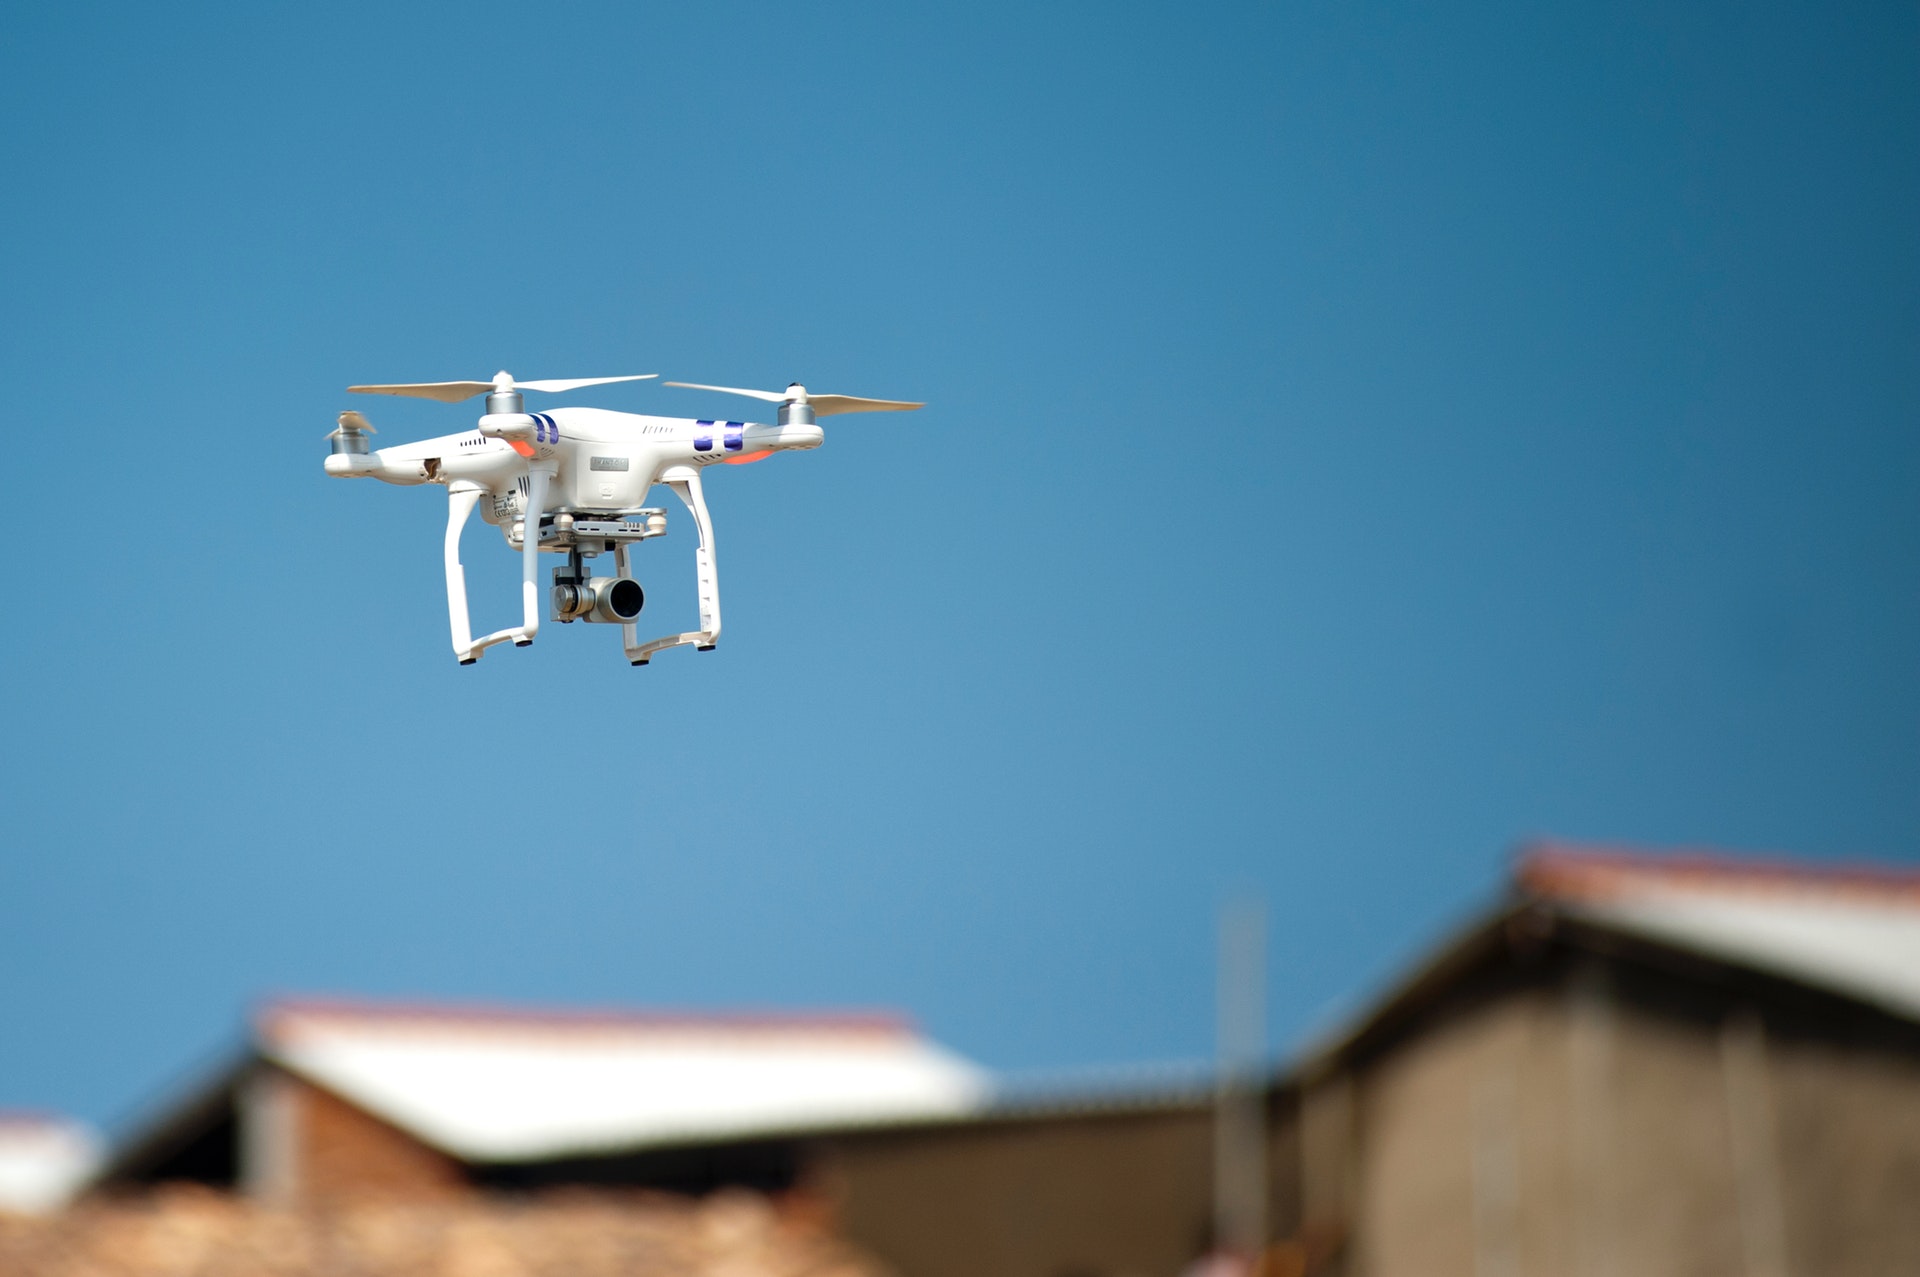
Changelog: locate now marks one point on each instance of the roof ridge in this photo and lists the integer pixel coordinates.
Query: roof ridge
(38, 1117)
(273, 1013)
(1555, 869)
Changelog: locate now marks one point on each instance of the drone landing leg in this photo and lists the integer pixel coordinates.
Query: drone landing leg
(623, 568)
(461, 498)
(530, 559)
(521, 634)
(685, 482)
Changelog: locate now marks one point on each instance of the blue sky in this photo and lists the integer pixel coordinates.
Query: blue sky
(1359, 438)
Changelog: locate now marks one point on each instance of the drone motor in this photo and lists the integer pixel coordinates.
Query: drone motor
(349, 438)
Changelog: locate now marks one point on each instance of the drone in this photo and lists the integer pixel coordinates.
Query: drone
(574, 481)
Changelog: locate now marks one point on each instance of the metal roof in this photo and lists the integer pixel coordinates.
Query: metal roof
(43, 1160)
(496, 1086)
(1846, 929)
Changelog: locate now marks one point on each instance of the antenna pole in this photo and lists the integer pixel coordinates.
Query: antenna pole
(1240, 1126)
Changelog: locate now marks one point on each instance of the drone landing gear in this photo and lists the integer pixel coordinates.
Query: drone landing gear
(685, 482)
(567, 531)
(461, 498)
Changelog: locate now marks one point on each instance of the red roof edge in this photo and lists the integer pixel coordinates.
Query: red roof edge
(1553, 869)
(274, 1013)
(40, 1119)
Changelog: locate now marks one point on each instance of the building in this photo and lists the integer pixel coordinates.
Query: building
(338, 1100)
(1637, 1064)
(1631, 1064)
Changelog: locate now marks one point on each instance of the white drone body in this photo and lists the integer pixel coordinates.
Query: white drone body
(574, 481)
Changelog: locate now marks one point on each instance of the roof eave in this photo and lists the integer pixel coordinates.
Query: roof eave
(213, 1097)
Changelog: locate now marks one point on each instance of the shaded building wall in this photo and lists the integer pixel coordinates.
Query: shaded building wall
(1593, 1118)
(1411, 1172)
(1074, 1196)
(1546, 1131)
(1847, 1118)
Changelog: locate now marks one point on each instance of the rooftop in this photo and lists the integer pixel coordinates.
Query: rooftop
(1848, 929)
(44, 1158)
(495, 1084)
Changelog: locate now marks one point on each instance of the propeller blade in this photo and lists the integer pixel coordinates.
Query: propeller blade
(444, 391)
(824, 405)
(768, 395)
(555, 387)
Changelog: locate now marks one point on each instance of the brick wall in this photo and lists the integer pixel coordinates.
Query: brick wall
(300, 1143)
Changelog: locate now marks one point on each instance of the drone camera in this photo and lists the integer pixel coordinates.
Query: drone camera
(614, 600)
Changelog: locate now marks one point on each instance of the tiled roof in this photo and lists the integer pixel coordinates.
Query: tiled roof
(185, 1231)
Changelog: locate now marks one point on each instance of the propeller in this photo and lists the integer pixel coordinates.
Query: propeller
(502, 384)
(796, 396)
(350, 436)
